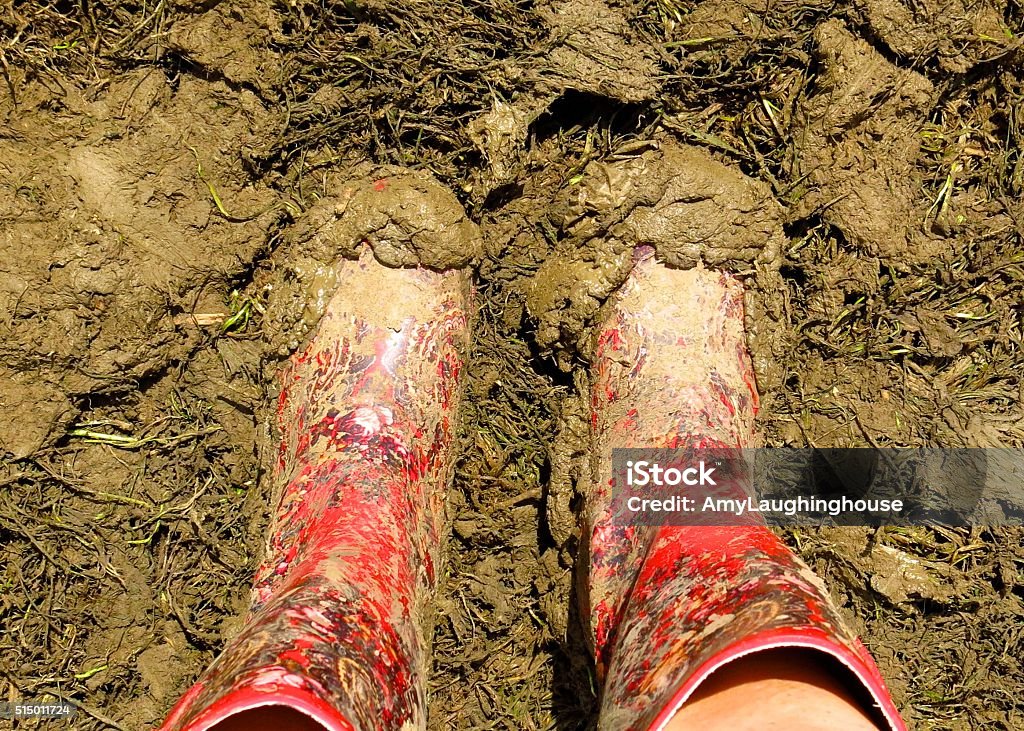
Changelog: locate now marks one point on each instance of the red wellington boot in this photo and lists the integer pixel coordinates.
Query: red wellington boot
(338, 629)
(670, 605)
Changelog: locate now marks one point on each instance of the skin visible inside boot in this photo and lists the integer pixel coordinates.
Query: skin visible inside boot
(794, 690)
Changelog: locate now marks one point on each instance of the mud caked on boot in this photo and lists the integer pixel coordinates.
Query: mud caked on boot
(337, 636)
(670, 605)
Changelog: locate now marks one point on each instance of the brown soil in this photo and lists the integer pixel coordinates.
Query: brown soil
(859, 163)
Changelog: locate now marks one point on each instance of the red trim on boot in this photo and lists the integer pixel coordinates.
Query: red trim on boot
(251, 697)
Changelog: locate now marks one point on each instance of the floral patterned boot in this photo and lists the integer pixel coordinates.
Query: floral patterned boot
(670, 605)
(339, 629)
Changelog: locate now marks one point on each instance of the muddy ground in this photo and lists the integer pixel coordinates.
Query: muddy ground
(859, 163)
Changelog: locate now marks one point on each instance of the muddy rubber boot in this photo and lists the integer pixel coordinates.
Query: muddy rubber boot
(339, 626)
(669, 605)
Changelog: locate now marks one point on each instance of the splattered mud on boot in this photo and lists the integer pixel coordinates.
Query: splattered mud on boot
(406, 217)
(663, 408)
(366, 414)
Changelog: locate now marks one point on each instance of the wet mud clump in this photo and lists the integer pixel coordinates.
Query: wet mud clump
(406, 217)
(678, 199)
(593, 49)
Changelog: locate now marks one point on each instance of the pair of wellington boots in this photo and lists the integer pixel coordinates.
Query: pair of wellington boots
(338, 633)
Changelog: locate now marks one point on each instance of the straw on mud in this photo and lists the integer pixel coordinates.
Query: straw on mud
(125, 441)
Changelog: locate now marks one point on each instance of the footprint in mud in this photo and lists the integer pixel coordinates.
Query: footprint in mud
(857, 146)
(591, 55)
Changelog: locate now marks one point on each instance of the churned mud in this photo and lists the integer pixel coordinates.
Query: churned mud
(177, 179)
